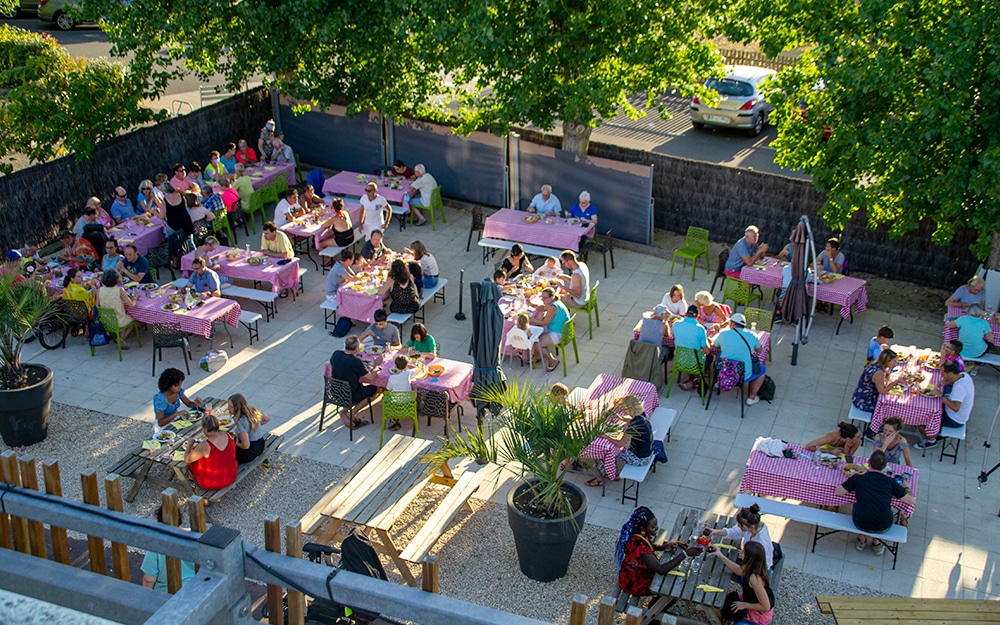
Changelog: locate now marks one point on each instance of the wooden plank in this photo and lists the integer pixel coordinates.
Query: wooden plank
(95, 544)
(171, 516)
(387, 547)
(384, 484)
(272, 542)
(441, 518)
(361, 480)
(392, 495)
(293, 548)
(606, 611)
(312, 520)
(53, 486)
(578, 609)
(429, 576)
(197, 519)
(119, 552)
(19, 526)
(36, 530)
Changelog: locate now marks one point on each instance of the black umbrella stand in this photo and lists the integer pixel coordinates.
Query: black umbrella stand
(460, 316)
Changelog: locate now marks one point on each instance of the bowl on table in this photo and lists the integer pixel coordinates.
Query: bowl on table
(255, 261)
(170, 307)
(532, 219)
(175, 298)
(151, 286)
(435, 370)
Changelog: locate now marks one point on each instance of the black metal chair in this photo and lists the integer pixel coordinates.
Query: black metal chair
(159, 258)
(601, 244)
(338, 394)
(167, 335)
(720, 270)
(714, 385)
(478, 223)
(437, 404)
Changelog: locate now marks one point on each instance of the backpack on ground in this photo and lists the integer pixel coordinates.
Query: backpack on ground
(343, 328)
(766, 391)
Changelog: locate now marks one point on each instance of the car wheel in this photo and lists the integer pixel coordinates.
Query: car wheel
(64, 22)
(698, 125)
(758, 125)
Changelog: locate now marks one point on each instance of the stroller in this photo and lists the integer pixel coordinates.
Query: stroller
(357, 555)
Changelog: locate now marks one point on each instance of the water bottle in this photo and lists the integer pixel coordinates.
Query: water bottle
(248, 250)
(753, 326)
(817, 458)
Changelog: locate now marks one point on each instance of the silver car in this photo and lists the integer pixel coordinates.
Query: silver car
(741, 104)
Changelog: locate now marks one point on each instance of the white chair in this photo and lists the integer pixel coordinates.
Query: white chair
(865, 418)
(519, 339)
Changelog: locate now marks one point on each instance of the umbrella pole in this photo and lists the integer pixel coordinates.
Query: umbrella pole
(460, 316)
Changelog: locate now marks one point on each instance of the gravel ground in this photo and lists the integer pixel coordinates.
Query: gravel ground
(477, 558)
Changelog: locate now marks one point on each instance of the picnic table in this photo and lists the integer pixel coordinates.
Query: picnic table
(360, 299)
(909, 404)
(797, 478)
(703, 570)
(606, 388)
(262, 175)
(377, 495)
(150, 305)
(309, 225)
(950, 334)
(560, 234)
(352, 184)
(762, 336)
(281, 277)
(143, 236)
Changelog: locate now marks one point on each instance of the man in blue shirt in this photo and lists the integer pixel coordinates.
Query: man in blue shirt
(204, 280)
(584, 210)
(545, 203)
(738, 344)
(122, 207)
(134, 266)
(690, 334)
(211, 200)
(746, 252)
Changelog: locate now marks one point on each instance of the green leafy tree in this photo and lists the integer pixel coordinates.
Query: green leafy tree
(906, 90)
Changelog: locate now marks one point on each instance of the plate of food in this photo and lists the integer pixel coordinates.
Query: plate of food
(255, 260)
(929, 392)
(573, 220)
(414, 357)
(225, 422)
(531, 219)
(165, 436)
(175, 298)
(550, 221)
(169, 307)
(853, 469)
(152, 286)
(376, 349)
(895, 391)
(393, 370)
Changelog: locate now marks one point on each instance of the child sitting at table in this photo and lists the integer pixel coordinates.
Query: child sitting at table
(522, 322)
(381, 330)
(951, 352)
(400, 381)
(550, 269)
(635, 553)
(879, 342)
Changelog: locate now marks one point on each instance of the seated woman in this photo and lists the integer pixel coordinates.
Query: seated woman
(750, 529)
(75, 290)
(875, 381)
(167, 403)
(421, 342)
(337, 231)
(974, 332)
(428, 264)
(711, 314)
(635, 553)
(755, 601)
(401, 289)
(250, 438)
(634, 447)
(112, 295)
(212, 462)
(892, 443)
(845, 438)
(516, 262)
(111, 255)
(552, 316)
(149, 203)
(674, 302)
(103, 217)
(969, 293)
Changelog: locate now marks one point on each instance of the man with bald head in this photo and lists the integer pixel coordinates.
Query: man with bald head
(424, 185)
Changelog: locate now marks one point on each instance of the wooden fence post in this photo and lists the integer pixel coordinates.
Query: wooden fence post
(429, 576)
(633, 616)
(119, 552)
(578, 611)
(5, 522)
(606, 611)
(171, 516)
(272, 542)
(95, 544)
(60, 543)
(197, 519)
(8, 466)
(36, 530)
(293, 548)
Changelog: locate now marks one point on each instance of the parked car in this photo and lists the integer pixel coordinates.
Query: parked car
(741, 103)
(24, 7)
(55, 11)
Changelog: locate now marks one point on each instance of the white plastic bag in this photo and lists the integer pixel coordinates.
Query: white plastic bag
(214, 360)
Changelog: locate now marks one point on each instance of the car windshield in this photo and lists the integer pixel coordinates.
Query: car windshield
(730, 87)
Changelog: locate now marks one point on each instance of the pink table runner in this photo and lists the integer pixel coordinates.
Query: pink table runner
(280, 276)
(309, 226)
(352, 183)
(762, 336)
(844, 292)
(143, 237)
(606, 388)
(950, 334)
(797, 478)
(510, 225)
(912, 409)
(148, 309)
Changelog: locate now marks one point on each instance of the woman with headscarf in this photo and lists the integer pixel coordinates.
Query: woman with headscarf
(635, 553)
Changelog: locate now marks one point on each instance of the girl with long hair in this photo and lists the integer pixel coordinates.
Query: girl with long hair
(754, 604)
(250, 438)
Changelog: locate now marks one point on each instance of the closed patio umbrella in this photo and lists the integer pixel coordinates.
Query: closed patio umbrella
(487, 329)
(795, 302)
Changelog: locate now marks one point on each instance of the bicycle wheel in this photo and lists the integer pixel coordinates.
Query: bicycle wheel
(52, 333)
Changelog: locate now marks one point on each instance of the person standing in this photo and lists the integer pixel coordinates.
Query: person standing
(374, 211)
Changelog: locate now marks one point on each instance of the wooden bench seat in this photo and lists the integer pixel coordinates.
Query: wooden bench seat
(270, 445)
(661, 420)
(249, 320)
(128, 466)
(439, 522)
(834, 521)
(490, 246)
(267, 299)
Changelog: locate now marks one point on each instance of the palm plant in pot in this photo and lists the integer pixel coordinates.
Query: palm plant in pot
(25, 389)
(537, 440)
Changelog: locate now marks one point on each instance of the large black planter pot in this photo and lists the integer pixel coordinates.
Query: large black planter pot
(24, 412)
(544, 547)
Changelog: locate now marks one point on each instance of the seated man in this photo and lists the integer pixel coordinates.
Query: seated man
(969, 293)
(546, 203)
(211, 200)
(374, 250)
(584, 210)
(424, 185)
(180, 181)
(577, 282)
(288, 208)
(245, 154)
(831, 257)
(203, 279)
(282, 152)
(400, 169)
(690, 334)
(874, 491)
(122, 207)
(275, 243)
(340, 273)
(345, 365)
(737, 343)
(135, 267)
(956, 403)
(746, 251)
(89, 218)
(383, 333)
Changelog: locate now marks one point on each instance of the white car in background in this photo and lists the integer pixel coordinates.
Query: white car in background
(741, 103)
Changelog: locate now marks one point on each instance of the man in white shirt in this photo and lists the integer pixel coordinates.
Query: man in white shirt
(287, 208)
(956, 404)
(577, 281)
(424, 185)
(374, 211)
(546, 203)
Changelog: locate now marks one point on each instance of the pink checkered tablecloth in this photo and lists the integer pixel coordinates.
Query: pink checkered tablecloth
(361, 305)
(261, 175)
(950, 334)
(143, 237)
(197, 321)
(309, 226)
(510, 225)
(606, 388)
(762, 336)
(280, 276)
(912, 409)
(456, 379)
(844, 292)
(797, 478)
(352, 183)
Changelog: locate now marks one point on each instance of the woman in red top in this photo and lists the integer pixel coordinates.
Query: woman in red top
(635, 553)
(212, 462)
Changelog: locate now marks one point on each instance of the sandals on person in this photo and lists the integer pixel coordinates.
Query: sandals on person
(595, 481)
(360, 423)
(549, 369)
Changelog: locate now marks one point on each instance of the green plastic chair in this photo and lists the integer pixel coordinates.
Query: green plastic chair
(739, 291)
(399, 405)
(592, 306)
(569, 337)
(256, 206)
(764, 320)
(269, 193)
(221, 222)
(695, 245)
(436, 205)
(298, 169)
(110, 322)
(691, 362)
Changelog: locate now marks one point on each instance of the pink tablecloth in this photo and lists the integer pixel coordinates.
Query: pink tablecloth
(456, 379)
(606, 388)
(912, 409)
(797, 478)
(143, 237)
(510, 225)
(844, 292)
(950, 334)
(196, 321)
(280, 276)
(349, 183)
(266, 174)
(762, 336)
(360, 305)
(310, 227)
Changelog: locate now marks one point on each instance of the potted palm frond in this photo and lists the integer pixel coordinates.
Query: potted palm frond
(537, 440)
(25, 389)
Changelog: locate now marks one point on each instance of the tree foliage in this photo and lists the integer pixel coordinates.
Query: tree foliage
(909, 89)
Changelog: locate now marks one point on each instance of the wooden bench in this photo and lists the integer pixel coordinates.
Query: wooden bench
(329, 308)
(490, 247)
(270, 446)
(249, 321)
(456, 499)
(267, 299)
(661, 420)
(128, 466)
(431, 295)
(835, 521)
(909, 610)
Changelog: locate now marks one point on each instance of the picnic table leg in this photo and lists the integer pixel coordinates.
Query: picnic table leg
(661, 604)
(138, 480)
(390, 550)
(330, 532)
(182, 480)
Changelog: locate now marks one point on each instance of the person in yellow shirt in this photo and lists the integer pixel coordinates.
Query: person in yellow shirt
(275, 243)
(75, 290)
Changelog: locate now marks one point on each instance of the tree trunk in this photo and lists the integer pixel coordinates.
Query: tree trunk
(576, 137)
(994, 260)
